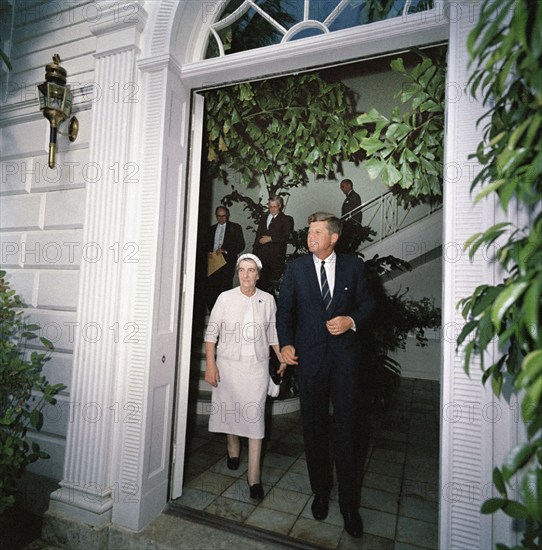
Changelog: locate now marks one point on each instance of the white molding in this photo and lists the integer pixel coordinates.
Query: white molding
(89, 442)
(301, 55)
(469, 437)
(111, 19)
(159, 62)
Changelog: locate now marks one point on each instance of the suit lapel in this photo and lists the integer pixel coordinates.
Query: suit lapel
(309, 272)
(273, 220)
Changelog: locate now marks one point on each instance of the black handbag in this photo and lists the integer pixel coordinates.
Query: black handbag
(273, 368)
(273, 389)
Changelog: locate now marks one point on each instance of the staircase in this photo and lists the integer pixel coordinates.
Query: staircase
(412, 234)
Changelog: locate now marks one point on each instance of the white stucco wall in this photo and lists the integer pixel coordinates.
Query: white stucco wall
(41, 209)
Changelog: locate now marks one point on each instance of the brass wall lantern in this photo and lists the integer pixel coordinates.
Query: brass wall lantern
(56, 104)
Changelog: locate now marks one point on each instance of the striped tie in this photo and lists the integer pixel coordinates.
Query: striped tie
(326, 294)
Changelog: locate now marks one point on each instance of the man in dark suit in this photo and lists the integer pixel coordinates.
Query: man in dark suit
(324, 303)
(351, 236)
(224, 238)
(271, 242)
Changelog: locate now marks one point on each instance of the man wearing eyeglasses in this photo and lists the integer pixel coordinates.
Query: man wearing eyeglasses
(225, 241)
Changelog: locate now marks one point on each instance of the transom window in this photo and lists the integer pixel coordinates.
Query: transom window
(249, 24)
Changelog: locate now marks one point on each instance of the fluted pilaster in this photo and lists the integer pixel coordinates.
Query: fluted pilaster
(87, 490)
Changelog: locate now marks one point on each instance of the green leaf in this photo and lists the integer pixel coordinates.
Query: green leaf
(534, 391)
(499, 483)
(531, 492)
(516, 459)
(485, 331)
(468, 352)
(47, 343)
(485, 300)
(505, 300)
(392, 175)
(398, 65)
(531, 369)
(488, 189)
(36, 419)
(371, 145)
(374, 167)
(492, 505)
(372, 116)
(496, 383)
(466, 330)
(515, 510)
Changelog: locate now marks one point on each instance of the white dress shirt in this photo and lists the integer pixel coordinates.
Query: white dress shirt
(219, 236)
(329, 266)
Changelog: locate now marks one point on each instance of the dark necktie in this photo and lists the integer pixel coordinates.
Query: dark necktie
(326, 294)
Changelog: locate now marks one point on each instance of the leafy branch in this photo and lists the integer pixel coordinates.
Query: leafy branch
(24, 391)
(281, 130)
(406, 150)
(506, 53)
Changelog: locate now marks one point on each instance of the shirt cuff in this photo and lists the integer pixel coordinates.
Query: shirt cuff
(353, 327)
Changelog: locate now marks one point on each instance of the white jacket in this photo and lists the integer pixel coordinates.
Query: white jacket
(226, 323)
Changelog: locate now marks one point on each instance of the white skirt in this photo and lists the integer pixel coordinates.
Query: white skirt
(238, 402)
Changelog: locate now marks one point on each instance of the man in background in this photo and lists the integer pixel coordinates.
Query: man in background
(225, 240)
(271, 242)
(351, 236)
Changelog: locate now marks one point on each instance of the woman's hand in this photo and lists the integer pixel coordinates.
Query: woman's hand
(288, 355)
(212, 375)
(282, 368)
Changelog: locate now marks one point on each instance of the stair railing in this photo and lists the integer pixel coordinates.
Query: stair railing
(385, 215)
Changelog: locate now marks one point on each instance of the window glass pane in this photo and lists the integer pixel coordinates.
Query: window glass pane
(252, 30)
(306, 33)
(321, 9)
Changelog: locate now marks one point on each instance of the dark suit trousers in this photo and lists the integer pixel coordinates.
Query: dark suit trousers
(340, 382)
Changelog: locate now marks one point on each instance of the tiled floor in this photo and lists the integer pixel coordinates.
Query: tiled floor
(400, 488)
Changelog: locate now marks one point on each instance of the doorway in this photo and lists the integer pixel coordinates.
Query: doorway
(209, 488)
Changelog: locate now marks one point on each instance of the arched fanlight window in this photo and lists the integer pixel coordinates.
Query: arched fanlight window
(249, 24)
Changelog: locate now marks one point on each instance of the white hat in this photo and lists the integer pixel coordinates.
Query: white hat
(252, 257)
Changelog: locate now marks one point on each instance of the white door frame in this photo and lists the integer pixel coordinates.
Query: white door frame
(187, 296)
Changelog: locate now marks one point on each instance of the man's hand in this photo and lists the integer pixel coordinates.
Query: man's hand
(265, 239)
(288, 355)
(339, 325)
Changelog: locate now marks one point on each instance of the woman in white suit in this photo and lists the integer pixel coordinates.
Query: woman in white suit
(241, 329)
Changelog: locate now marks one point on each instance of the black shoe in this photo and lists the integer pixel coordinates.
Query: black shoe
(233, 463)
(256, 491)
(320, 506)
(353, 524)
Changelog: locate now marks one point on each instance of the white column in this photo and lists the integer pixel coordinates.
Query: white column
(475, 426)
(86, 491)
